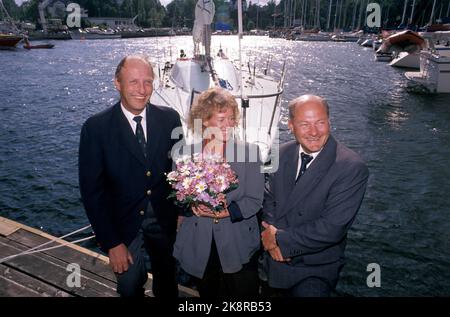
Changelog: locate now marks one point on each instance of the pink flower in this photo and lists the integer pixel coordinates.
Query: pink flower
(200, 179)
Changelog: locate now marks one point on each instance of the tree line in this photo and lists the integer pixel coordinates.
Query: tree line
(320, 14)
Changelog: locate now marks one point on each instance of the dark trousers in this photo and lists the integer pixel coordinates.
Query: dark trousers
(309, 287)
(159, 247)
(312, 287)
(217, 284)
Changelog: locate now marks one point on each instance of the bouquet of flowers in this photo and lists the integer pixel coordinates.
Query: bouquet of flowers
(198, 179)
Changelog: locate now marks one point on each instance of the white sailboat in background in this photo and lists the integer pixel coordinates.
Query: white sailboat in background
(259, 95)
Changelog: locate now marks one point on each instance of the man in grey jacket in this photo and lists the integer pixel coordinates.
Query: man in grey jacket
(310, 203)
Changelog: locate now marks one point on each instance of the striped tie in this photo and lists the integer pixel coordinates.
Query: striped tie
(305, 160)
(140, 134)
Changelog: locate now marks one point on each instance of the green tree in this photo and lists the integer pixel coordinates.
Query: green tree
(12, 8)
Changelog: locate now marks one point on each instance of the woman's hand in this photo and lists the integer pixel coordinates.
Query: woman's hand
(222, 214)
(222, 199)
(201, 210)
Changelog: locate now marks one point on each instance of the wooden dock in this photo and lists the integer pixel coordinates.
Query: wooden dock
(48, 273)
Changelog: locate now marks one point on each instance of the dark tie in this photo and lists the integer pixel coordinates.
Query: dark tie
(140, 134)
(305, 160)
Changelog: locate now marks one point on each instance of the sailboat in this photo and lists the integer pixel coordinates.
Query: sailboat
(258, 94)
(9, 34)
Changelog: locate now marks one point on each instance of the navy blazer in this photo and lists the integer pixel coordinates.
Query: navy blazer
(314, 215)
(117, 181)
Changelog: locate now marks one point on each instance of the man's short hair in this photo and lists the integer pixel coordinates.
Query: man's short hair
(141, 57)
(303, 99)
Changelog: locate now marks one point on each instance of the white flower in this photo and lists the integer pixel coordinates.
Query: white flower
(186, 183)
(200, 187)
(184, 170)
(172, 176)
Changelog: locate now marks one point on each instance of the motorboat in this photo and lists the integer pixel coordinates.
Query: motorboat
(406, 60)
(94, 34)
(404, 47)
(367, 43)
(39, 46)
(434, 74)
(178, 83)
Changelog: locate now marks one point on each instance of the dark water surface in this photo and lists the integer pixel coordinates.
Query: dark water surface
(404, 222)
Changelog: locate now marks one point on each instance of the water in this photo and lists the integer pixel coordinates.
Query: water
(404, 222)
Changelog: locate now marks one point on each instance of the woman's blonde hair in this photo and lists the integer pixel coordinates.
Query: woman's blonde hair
(210, 101)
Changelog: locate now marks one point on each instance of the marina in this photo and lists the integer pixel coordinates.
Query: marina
(396, 119)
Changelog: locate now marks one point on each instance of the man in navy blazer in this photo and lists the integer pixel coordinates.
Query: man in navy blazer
(310, 203)
(123, 157)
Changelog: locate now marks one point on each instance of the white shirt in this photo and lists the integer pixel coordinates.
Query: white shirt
(133, 123)
(314, 155)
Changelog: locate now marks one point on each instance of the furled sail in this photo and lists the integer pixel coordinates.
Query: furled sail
(201, 32)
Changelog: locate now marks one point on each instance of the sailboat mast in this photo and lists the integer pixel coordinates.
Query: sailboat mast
(3, 9)
(404, 12)
(354, 15)
(412, 12)
(244, 100)
(432, 13)
(318, 14)
(329, 15)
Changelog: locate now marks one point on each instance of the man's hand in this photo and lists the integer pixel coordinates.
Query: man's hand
(277, 256)
(268, 238)
(269, 242)
(120, 258)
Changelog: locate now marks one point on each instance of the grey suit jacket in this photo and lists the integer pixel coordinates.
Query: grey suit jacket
(236, 242)
(314, 215)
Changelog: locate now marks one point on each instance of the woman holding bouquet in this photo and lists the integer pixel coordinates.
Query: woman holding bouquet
(219, 247)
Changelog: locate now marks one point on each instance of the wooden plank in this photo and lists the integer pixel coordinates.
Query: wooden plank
(15, 283)
(95, 265)
(50, 237)
(53, 271)
(7, 228)
(9, 288)
(90, 261)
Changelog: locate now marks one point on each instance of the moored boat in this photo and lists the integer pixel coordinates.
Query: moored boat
(406, 60)
(180, 82)
(434, 73)
(9, 41)
(39, 46)
(94, 34)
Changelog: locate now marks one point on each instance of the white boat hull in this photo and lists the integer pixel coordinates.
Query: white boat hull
(93, 36)
(434, 73)
(179, 88)
(406, 60)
